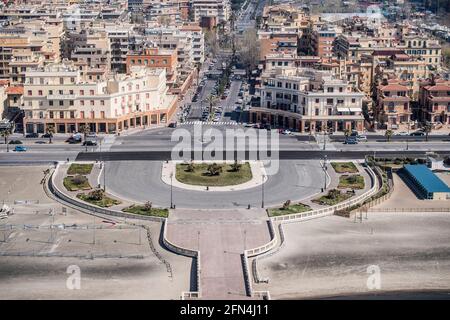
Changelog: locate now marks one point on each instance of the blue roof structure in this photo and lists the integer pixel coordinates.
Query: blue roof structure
(428, 180)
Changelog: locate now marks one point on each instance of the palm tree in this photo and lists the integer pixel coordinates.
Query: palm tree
(212, 102)
(5, 134)
(388, 134)
(50, 131)
(85, 130)
(427, 130)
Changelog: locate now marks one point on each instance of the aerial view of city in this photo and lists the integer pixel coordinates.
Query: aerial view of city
(208, 150)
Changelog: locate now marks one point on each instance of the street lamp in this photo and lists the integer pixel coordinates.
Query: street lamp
(325, 171)
(171, 190)
(262, 191)
(407, 138)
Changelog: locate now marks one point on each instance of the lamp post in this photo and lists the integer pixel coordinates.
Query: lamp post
(325, 171)
(171, 190)
(262, 191)
(407, 138)
(324, 140)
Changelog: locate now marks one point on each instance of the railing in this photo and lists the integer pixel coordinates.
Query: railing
(95, 209)
(330, 210)
(410, 209)
(189, 253)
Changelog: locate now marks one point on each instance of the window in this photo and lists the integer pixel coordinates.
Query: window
(50, 103)
(91, 92)
(92, 114)
(61, 80)
(30, 92)
(81, 92)
(40, 92)
(50, 114)
(353, 100)
(50, 92)
(61, 92)
(82, 114)
(330, 101)
(72, 114)
(82, 102)
(92, 102)
(70, 102)
(61, 103)
(102, 102)
(317, 100)
(61, 114)
(102, 114)
(330, 89)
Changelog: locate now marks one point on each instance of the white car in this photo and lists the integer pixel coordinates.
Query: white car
(286, 132)
(402, 133)
(361, 138)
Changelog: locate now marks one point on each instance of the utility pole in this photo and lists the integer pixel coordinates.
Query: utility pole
(262, 191)
(324, 140)
(325, 171)
(171, 190)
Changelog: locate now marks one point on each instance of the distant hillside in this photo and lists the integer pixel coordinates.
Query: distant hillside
(440, 5)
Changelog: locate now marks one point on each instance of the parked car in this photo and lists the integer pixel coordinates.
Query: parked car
(361, 138)
(89, 143)
(15, 142)
(350, 140)
(40, 142)
(401, 133)
(172, 125)
(32, 135)
(417, 134)
(286, 132)
(73, 140)
(47, 135)
(20, 148)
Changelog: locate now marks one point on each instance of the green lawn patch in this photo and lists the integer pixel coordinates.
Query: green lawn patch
(225, 175)
(77, 168)
(142, 210)
(344, 167)
(75, 183)
(294, 208)
(352, 182)
(333, 197)
(102, 201)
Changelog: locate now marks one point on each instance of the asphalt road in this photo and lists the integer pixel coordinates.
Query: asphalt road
(140, 181)
(283, 155)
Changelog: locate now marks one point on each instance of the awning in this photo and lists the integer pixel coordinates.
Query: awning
(342, 109)
(355, 109)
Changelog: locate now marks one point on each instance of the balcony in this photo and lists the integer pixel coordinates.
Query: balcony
(62, 97)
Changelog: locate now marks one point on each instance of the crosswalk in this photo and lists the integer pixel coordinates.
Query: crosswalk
(210, 123)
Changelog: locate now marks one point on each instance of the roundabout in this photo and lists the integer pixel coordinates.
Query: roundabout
(142, 181)
(250, 175)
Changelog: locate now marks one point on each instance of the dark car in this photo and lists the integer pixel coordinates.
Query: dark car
(47, 135)
(89, 143)
(172, 125)
(417, 134)
(72, 140)
(32, 135)
(15, 142)
(350, 141)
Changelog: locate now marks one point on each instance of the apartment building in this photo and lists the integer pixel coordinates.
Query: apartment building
(434, 99)
(393, 103)
(218, 9)
(58, 95)
(155, 58)
(307, 100)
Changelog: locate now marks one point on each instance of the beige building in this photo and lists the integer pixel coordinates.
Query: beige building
(59, 96)
(308, 100)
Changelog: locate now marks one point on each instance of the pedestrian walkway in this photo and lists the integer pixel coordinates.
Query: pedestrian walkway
(210, 123)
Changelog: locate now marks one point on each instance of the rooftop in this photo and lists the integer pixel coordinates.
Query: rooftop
(427, 178)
